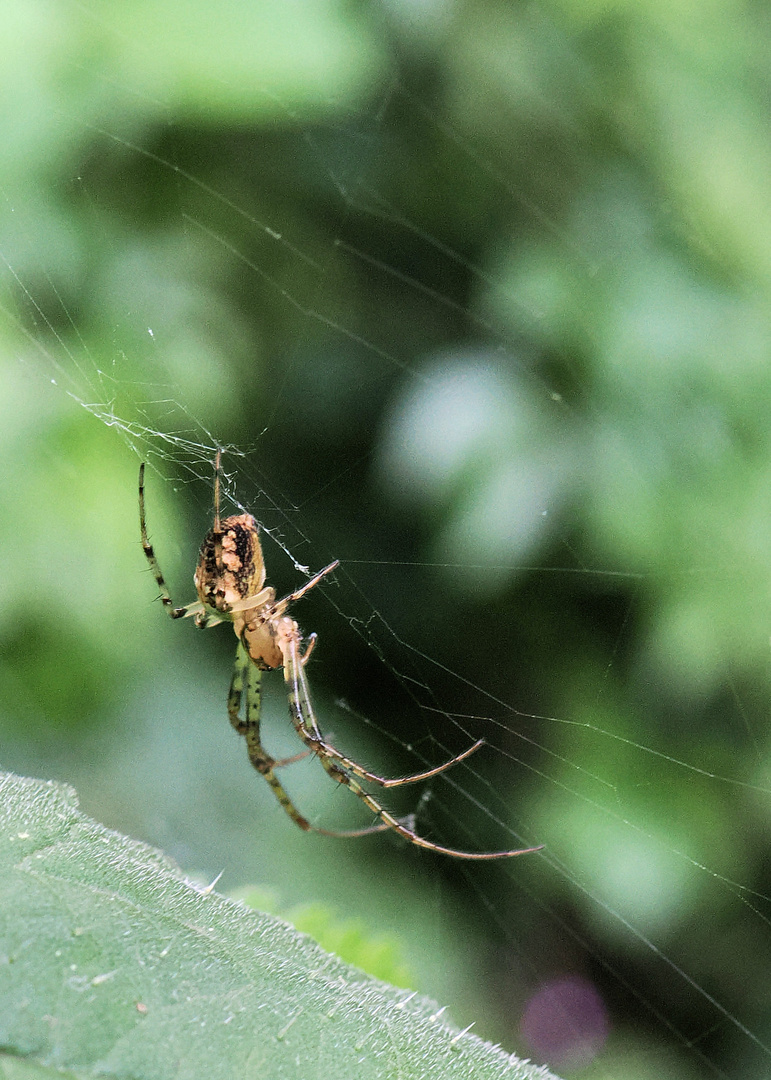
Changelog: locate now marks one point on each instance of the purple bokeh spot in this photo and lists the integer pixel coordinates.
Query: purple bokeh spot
(565, 1023)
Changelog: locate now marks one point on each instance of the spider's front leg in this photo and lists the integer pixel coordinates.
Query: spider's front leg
(202, 617)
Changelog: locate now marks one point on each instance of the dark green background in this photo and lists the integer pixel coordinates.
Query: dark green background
(481, 293)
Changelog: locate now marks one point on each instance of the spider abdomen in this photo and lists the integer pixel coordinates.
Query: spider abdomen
(230, 565)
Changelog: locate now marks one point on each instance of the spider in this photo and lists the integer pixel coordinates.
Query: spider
(230, 582)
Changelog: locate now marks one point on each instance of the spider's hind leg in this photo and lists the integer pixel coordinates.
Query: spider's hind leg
(237, 687)
(249, 727)
(345, 771)
(244, 671)
(247, 676)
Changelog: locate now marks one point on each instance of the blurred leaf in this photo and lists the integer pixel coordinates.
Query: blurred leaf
(17, 1069)
(472, 448)
(116, 965)
(380, 955)
(234, 60)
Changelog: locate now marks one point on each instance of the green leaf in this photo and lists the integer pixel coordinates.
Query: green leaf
(112, 964)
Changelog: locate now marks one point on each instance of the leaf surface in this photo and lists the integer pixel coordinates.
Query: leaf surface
(113, 964)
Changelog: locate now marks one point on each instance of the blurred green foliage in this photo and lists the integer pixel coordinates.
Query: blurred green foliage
(482, 291)
(350, 939)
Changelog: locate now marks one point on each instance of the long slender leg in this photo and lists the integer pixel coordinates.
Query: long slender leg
(309, 719)
(310, 583)
(246, 672)
(202, 619)
(341, 769)
(280, 606)
(237, 687)
(265, 764)
(249, 727)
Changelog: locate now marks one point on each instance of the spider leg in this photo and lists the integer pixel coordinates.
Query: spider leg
(203, 618)
(196, 608)
(249, 602)
(309, 718)
(364, 774)
(344, 771)
(414, 777)
(241, 673)
(279, 763)
(247, 674)
(309, 649)
(240, 668)
(309, 584)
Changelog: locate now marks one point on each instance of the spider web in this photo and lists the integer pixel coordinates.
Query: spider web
(509, 480)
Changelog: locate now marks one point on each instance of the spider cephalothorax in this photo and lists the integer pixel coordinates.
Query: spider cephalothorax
(230, 582)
